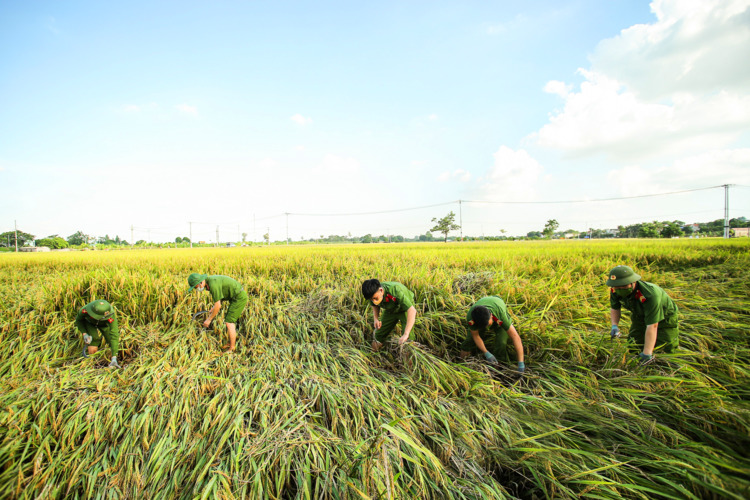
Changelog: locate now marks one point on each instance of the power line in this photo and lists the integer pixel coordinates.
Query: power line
(595, 200)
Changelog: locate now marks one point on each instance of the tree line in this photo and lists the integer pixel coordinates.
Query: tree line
(443, 226)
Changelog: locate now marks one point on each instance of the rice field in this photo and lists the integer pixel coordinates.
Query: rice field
(304, 409)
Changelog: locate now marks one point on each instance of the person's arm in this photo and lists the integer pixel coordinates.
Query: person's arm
(650, 341)
(114, 337)
(614, 316)
(81, 322)
(513, 334)
(376, 317)
(212, 313)
(478, 340)
(411, 317)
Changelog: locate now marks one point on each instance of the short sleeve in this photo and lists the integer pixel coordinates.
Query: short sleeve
(614, 302)
(404, 296)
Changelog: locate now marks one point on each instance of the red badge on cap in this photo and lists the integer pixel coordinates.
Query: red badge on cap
(471, 322)
(111, 320)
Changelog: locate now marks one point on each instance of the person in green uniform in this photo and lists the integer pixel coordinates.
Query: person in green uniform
(391, 303)
(222, 288)
(489, 324)
(653, 324)
(98, 317)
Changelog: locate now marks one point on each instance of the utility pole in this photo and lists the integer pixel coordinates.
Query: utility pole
(132, 241)
(238, 233)
(461, 219)
(191, 234)
(726, 210)
(268, 232)
(149, 236)
(287, 227)
(15, 225)
(217, 236)
(253, 228)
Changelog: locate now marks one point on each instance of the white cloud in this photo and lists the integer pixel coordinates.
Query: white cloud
(131, 108)
(514, 176)
(729, 166)
(301, 120)
(679, 85)
(299, 148)
(695, 46)
(418, 163)
(459, 175)
(432, 117)
(558, 88)
(187, 109)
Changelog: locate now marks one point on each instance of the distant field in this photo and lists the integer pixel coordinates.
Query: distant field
(305, 409)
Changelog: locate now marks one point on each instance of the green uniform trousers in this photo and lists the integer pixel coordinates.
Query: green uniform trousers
(388, 323)
(236, 307)
(666, 337)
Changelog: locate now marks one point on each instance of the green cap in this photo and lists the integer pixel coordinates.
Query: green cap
(195, 280)
(98, 309)
(622, 275)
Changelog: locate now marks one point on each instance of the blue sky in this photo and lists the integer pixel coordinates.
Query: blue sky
(222, 113)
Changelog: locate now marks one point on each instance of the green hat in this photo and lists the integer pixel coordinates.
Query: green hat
(622, 275)
(98, 309)
(195, 280)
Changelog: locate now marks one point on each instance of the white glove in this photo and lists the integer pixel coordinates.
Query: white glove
(87, 338)
(113, 363)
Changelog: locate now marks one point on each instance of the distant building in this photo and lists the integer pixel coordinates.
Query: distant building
(742, 232)
(34, 249)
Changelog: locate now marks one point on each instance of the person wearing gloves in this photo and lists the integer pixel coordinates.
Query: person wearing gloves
(222, 288)
(490, 324)
(391, 303)
(653, 324)
(98, 317)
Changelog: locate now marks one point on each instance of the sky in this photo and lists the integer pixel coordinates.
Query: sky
(153, 120)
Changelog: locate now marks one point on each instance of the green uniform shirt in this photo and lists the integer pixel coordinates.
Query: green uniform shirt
(648, 303)
(223, 288)
(108, 327)
(497, 308)
(396, 297)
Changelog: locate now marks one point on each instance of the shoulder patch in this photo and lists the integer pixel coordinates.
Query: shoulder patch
(639, 296)
(611, 290)
(497, 321)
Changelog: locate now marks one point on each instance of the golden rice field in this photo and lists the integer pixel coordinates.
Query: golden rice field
(304, 409)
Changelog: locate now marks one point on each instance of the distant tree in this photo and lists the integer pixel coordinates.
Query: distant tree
(648, 230)
(78, 238)
(398, 238)
(8, 239)
(367, 238)
(266, 237)
(672, 229)
(140, 242)
(178, 240)
(185, 239)
(550, 227)
(244, 237)
(54, 242)
(534, 234)
(445, 225)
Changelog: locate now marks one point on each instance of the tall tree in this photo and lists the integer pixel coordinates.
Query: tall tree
(445, 225)
(550, 227)
(8, 239)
